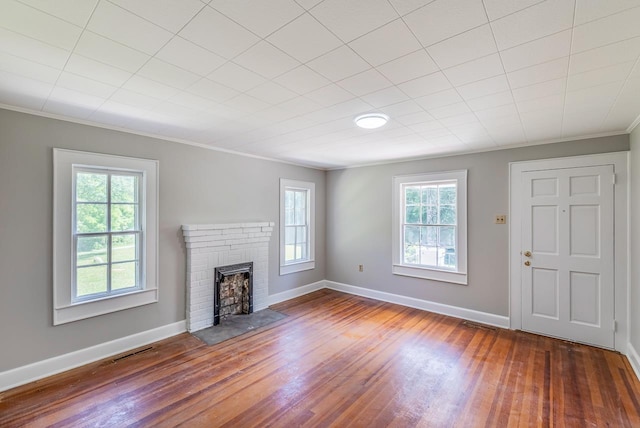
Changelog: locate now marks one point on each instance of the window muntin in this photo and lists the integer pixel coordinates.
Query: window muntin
(297, 226)
(430, 226)
(107, 231)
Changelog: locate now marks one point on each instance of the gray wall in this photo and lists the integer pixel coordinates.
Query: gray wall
(196, 186)
(359, 223)
(634, 283)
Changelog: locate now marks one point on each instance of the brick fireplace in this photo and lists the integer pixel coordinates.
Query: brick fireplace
(211, 246)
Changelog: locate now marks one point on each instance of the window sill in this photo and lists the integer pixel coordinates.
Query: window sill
(104, 305)
(297, 267)
(433, 274)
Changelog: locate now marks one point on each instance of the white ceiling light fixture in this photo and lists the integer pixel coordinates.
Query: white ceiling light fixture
(371, 120)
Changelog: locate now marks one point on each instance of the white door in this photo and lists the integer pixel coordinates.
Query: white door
(567, 254)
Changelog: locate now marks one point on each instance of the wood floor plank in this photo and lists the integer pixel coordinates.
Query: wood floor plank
(341, 360)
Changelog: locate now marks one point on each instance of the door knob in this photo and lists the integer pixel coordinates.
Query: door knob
(527, 253)
(527, 263)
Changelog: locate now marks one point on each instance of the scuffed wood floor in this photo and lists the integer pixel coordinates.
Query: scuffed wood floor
(342, 360)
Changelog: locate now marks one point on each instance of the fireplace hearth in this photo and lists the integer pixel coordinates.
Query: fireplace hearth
(233, 291)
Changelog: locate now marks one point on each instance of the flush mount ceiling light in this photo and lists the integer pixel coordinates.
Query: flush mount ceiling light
(371, 120)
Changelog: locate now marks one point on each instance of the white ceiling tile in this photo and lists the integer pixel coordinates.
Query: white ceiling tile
(339, 63)
(271, 93)
(385, 97)
(405, 6)
(236, 77)
(351, 19)
(212, 90)
(186, 99)
(169, 14)
(490, 101)
(418, 117)
(302, 80)
(329, 95)
(118, 114)
(304, 39)
(266, 60)
(168, 74)
(107, 51)
(600, 76)
(537, 21)
(497, 114)
(23, 92)
(122, 26)
(457, 120)
(583, 123)
(72, 103)
(365, 82)
(553, 102)
(442, 19)
(484, 87)
(615, 53)
(498, 8)
(29, 69)
(95, 70)
(542, 125)
(538, 51)
(308, 4)
(592, 98)
(84, 85)
(386, 43)
(191, 57)
(135, 99)
(149, 87)
(31, 49)
(400, 109)
(544, 89)
(425, 85)
(590, 10)
(300, 106)
(263, 18)
(246, 103)
(41, 26)
(539, 73)
(439, 99)
(449, 110)
(464, 47)
(607, 30)
(408, 67)
(217, 33)
(350, 108)
(75, 11)
(478, 69)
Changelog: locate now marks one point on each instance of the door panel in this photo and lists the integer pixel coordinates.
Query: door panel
(567, 288)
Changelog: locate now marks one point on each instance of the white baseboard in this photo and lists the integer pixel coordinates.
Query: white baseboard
(41, 369)
(439, 308)
(634, 359)
(296, 292)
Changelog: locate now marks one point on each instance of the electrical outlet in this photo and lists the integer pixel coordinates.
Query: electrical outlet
(360, 268)
(501, 219)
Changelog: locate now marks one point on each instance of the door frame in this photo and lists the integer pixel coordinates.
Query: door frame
(620, 163)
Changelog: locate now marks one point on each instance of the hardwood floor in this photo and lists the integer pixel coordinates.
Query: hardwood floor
(342, 360)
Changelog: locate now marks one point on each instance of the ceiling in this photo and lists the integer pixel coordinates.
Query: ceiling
(284, 79)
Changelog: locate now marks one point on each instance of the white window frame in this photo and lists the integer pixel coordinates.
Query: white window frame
(66, 308)
(457, 276)
(309, 262)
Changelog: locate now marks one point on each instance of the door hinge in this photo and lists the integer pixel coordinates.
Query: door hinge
(613, 179)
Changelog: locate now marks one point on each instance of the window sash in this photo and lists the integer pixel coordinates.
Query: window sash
(297, 222)
(137, 231)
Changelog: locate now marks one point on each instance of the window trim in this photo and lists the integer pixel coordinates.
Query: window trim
(65, 308)
(302, 265)
(458, 276)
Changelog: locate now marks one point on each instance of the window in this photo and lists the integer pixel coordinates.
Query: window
(105, 234)
(297, 226)
(429, 226)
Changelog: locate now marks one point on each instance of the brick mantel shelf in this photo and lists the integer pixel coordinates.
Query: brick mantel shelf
(214, 245)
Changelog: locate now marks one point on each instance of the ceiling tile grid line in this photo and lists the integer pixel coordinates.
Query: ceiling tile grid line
(285, 79)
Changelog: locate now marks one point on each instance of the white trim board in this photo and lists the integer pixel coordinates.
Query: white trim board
(634, 359)
(51, 366)
(426, 305)
(296, 292)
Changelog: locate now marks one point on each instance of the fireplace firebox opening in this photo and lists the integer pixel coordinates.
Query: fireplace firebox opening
(233, 291)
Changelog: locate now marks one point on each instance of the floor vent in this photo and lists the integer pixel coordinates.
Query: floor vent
(132, 354)
(478, 326)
